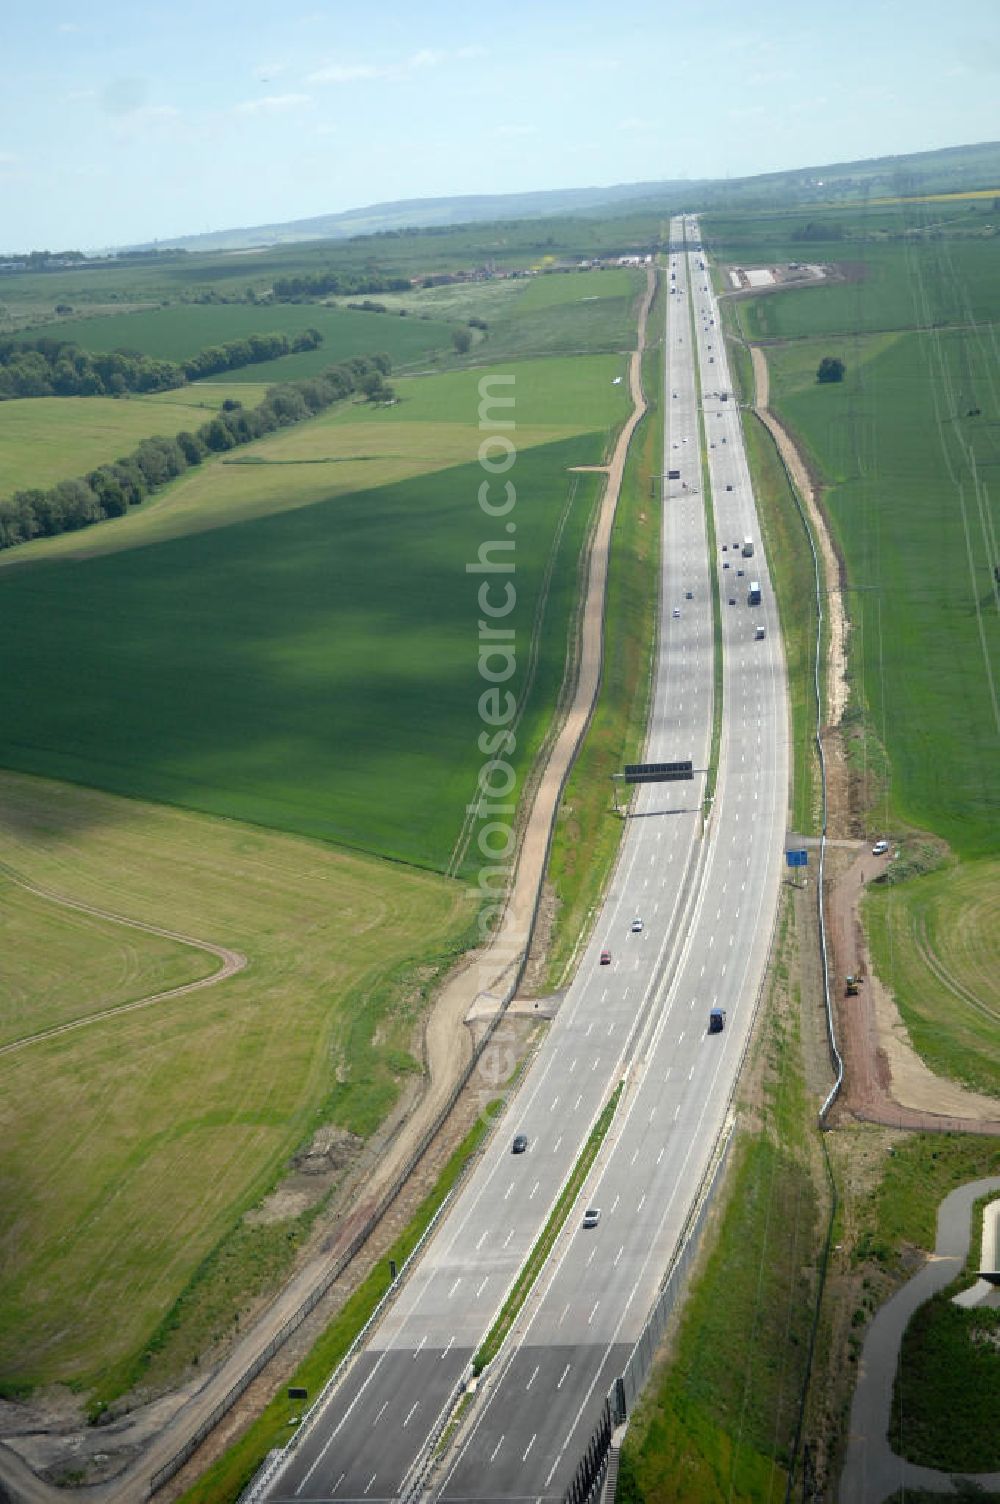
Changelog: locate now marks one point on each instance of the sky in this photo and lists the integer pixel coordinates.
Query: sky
(124, 121)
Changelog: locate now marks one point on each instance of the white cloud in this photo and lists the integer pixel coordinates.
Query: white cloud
(272, 104)
(8, 159)
(515, 130)
(68, 27)
(634, 123)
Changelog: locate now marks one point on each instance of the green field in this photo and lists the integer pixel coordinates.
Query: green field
(936, 942)
(900, 453)
(131, 1146)
(269, 672)
(908, 281)
(47, 439)
(179, 332)
(549, 314)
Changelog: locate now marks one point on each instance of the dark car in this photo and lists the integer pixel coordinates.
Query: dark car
(520, 1143)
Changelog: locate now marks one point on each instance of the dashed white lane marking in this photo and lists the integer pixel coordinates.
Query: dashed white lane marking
(382, 1409)
(562, 1376)
(528, 1448)
(409, 1413)
(534, 1375)
(496, 1449)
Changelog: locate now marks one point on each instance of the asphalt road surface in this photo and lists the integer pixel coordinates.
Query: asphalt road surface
(707, 907)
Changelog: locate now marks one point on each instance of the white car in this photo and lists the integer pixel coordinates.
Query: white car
(677, 611)
(592, 1216)
(637, 926)
(880, 848)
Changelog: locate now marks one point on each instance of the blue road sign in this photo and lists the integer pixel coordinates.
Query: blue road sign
(797, 858)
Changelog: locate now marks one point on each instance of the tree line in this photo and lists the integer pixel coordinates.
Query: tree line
(111, 489)
(46, 367)
(350, 284)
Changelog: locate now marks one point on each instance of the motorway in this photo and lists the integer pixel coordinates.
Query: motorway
(707, 907)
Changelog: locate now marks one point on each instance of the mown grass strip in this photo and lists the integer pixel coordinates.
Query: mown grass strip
(713, 553)
(587, 834)
(536, 1260)
(229, 1475)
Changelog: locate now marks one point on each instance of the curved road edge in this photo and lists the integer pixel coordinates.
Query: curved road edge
(873, 1471)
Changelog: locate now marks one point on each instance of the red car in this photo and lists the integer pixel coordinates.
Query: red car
(605, 958)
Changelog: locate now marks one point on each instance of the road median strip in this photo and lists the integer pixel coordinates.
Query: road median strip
(537, 1258)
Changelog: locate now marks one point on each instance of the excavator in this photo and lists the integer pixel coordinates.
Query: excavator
(852, 983)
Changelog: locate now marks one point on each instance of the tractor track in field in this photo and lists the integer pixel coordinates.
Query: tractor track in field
(948, 981)
(233, 961)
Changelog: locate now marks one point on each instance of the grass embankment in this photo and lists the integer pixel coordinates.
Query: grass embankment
(944, 1397)
(791, 563)
(890, 1187)
(936, 941)
(790, 557)
(587, 832)
(225, 1479)
(718, 667)
(269, 673)
(717, 1420)
(131, 1148)
(537, 1258)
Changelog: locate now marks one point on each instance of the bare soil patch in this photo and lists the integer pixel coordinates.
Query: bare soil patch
(885, 1079)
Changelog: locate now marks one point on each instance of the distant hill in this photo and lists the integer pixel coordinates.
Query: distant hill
(949, 169)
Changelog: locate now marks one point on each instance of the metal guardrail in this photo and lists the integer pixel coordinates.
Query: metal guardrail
(280, 1456)
(589, 1476)
(835, 1055)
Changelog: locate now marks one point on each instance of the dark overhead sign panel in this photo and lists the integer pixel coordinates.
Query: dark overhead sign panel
(657, 772)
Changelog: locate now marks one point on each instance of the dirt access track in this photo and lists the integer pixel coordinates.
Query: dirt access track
(484, 982)
(885, 1080)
